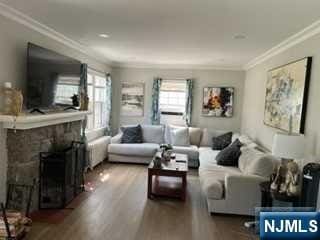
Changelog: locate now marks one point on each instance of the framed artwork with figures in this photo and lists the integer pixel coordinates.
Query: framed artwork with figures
(218, 101)
(287, 95)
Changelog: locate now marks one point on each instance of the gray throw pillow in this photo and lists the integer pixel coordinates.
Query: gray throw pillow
(131, 134)
(222, 141)
(230, 155)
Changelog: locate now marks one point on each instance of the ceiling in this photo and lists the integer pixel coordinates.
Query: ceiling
(175, 32)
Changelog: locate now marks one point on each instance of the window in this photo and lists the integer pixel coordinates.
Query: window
(67, 86)
(97, 100)
(173, 101)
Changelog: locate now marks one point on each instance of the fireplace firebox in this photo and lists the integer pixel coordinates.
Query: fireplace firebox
(61, 176)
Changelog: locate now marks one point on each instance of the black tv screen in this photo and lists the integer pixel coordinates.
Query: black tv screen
(53, 80)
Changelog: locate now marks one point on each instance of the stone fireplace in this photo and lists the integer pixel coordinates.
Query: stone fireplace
(25, 145)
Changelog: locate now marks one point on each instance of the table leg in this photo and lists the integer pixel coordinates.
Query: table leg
(149, 185)
(184, 187)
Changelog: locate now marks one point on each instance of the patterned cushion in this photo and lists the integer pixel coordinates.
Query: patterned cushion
(230, 155)
(222, 141)
(131, 134)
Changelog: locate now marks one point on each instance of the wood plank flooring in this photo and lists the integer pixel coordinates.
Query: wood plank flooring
(118, 209)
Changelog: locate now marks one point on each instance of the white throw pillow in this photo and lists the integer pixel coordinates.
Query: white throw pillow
(180, 137)
(153, 134)
(247, 141)
(168, 130)
(195, 136)
(254, 162)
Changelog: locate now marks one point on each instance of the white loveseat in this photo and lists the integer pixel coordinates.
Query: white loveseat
(153, 136)
(234, 190)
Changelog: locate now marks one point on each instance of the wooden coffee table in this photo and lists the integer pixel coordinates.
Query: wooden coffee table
(170, 180)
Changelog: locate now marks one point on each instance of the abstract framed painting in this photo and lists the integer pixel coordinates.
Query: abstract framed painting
(132, 99)
(287, 95)
(218, 101)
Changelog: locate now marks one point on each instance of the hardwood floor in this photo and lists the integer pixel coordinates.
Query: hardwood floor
(118, 209)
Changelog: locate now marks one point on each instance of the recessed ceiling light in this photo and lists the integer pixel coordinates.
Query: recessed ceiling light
(239, 37)
(103, 35)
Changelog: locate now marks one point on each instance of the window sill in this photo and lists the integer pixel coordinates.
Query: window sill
(172, 113)
(96, 129)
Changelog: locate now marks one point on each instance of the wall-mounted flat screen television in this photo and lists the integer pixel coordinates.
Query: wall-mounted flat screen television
(53, 80)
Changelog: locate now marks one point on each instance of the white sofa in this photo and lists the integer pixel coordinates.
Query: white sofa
(230, 190)
(153, 136)
(234, 190)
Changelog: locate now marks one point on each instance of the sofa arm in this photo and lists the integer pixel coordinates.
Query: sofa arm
(116, 138)
(243, 187)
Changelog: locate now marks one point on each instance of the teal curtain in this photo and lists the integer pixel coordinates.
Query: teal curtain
(155, 110)
(109, 102)
(84, 81)
(188, 111)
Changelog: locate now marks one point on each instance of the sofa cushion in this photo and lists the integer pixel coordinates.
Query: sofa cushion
(207, 158)
(191, 151)
(222, 141)
(131, 134)
(208, 134)
(142, 149)
(195, 136)
(153, 134)
(211, 175)
(230, 155)
(180, 137)
(212, 185)
(255, 162)
(212, 179)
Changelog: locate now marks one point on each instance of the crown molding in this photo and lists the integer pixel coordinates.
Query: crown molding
(175, 66)
(33, 24)
(293, 40)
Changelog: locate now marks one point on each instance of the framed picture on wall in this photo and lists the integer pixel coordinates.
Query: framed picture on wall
(218, 101)
(286, 96)
(132, 99)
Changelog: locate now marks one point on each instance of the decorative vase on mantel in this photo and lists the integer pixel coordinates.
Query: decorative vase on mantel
(13, 100)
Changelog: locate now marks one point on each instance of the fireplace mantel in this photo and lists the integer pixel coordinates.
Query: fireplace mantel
(29, 121)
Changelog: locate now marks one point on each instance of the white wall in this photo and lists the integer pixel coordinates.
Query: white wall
(13, 45)
(202, 78)
(254, 98)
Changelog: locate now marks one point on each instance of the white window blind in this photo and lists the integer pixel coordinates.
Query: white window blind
(173, 97)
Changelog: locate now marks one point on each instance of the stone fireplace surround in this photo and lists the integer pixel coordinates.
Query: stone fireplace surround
(24, 147)
(28, 135)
